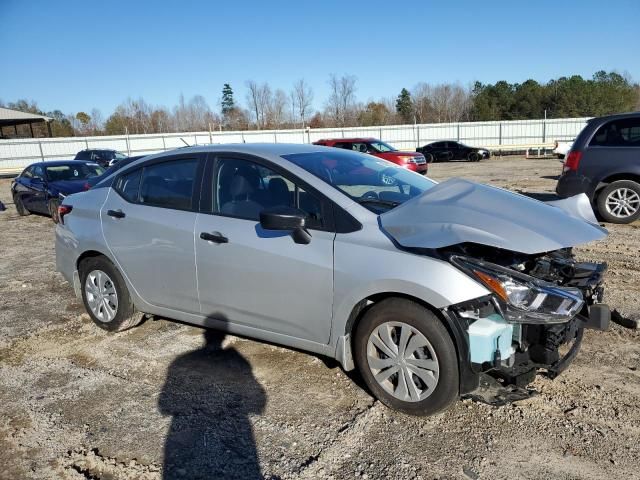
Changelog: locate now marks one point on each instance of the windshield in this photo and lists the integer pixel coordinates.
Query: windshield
(382, 147)
(73, 172)
(374, 183)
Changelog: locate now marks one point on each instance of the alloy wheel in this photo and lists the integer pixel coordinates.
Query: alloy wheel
(623, 202)
(402, 361)
(101, 295)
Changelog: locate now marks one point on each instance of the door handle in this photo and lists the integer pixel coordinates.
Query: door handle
(116, 213)
(215, 237)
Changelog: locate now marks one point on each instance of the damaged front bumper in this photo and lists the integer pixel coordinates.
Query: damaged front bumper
(506, 356)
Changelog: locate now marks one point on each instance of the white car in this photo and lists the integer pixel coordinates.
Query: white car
(561, 149)
(423, 286)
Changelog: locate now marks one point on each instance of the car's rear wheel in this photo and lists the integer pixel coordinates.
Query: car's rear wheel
(20, 208)
(106, 297)
(54, 203)
(407, 357)
(619, 202)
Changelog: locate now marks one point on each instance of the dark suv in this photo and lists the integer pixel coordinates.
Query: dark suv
(604, 163)
(103, 156)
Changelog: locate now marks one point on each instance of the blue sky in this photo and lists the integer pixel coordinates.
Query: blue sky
(75, 55)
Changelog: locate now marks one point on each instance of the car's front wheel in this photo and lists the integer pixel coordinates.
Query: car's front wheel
(20, 208)
(54, 203)
(407, 357)
(619, 202)
(474, 157)
(106, 297)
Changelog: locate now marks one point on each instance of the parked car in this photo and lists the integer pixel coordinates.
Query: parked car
(424, 287)
(410, 160)
(445, 151)
(560, 149)
(42, 186)
(604, 163)
(109, 171)
(102, 156)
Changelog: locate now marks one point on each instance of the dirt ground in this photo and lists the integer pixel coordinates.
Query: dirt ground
(79, 403)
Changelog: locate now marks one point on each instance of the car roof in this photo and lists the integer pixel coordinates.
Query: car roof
(616, 116)
(60, 163)
(352, 139)
(98, 150)
(272, 149)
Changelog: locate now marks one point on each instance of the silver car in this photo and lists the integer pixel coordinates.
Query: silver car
(429, 289)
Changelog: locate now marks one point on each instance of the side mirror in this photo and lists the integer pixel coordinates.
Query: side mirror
(286, 218)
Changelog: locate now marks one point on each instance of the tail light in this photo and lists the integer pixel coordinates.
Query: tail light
(86, 186)
(62, 211)
(572, 161)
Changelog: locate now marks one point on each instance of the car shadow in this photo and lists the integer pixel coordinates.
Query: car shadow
(542, 196)
(210, 394)
(551, 177)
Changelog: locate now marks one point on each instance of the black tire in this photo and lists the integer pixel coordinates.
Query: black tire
(473, 157)
(446, 390)
(622, 186)
(54, 203)
(126, 315)
(429, 158)
(20, 208)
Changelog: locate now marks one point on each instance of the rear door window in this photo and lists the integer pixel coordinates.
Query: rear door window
(618, 133)
(128, 186)
(169, 184)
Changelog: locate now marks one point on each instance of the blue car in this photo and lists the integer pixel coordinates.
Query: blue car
(41, 187)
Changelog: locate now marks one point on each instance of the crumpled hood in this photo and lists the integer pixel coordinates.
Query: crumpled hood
(459, 210)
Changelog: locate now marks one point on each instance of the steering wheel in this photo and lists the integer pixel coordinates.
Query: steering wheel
(370, 194)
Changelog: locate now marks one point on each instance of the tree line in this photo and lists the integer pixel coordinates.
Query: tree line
(267, 108)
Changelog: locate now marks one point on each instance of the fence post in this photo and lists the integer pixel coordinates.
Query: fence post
(210, 136)
(195, 139)
(544, 131)
(275, 137)
(458, 131)
(380, 133)
(86, 143)
(500, 134)
(126, 132)
(164, 145)
(41, 152)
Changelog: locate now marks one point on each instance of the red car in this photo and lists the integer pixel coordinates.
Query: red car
(410, 160)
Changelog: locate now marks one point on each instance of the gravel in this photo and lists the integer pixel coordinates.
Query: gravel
(79, 403)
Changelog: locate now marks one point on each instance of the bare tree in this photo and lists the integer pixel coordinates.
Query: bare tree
(447, 102)
(301, 99)
(276, 109)
(341, 102)
(259, 101)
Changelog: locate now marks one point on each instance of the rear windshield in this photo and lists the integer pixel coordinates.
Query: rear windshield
(73, 172)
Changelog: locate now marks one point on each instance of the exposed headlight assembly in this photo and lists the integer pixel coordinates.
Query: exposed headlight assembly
(522, 298)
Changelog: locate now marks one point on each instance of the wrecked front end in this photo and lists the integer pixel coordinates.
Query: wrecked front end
(534, 319)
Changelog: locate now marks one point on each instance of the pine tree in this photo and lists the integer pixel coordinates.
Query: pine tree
(227, 100)
(404, 105)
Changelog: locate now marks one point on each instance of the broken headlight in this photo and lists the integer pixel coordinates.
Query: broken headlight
(522, 298)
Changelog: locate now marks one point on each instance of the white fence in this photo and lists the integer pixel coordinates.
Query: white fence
(514, 135)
